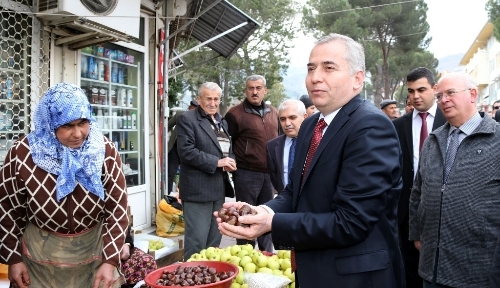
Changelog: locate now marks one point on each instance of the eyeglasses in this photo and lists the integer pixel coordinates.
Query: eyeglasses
(258, 88)
(449, 93)
(496, 107)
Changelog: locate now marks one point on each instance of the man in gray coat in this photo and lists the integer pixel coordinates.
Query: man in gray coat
(454, 202)
(206, 157)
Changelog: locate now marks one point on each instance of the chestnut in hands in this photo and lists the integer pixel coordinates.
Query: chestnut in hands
(230, 215)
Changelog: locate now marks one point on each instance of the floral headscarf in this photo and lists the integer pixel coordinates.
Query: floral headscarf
(62, 104)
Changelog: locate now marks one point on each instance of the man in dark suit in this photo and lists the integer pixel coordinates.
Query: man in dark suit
(173, 157)
(291, 114)
(338, 214)
(206, 155)
(421, 89)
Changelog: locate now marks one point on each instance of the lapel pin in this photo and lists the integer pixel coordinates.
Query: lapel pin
(479, 151)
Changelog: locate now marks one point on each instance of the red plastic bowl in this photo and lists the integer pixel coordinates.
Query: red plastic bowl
(219, 266)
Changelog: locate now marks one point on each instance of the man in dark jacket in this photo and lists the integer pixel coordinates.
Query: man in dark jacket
(252, 124)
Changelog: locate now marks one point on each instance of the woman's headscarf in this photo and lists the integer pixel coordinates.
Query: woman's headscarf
(62, 104)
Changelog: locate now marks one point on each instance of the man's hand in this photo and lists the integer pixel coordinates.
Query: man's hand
(259, 223)
(417, 244)
(227, 164)
(104, 274)
(18, 275)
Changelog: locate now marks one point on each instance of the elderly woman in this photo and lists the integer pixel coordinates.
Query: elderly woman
(63, 199)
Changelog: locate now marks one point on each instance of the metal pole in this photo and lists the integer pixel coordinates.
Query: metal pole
(165, 110)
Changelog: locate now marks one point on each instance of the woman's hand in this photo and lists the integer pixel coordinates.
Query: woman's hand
(125, 252)
(18, 275)
(104, 274)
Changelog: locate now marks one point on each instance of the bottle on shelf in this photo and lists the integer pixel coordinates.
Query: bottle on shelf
(106, 72)
(91, 67)
(123, 98)
(114, 123)
(100, 70)
(112, 95)
(85, 65)
(95, 95)
(134, 121)
(131, 146)
(100, 119)
(129, 120)
(120, 75)
(103, 96)
(114, 73)
(122, 145)
(105, 121)
(117, 143)
(130, 98)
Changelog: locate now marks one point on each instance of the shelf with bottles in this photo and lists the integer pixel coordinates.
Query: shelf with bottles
(106, 70)
(104, 96)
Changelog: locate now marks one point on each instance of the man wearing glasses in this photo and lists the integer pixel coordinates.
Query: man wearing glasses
(412, 129)
(495, 107)
(454, 202)
(252, 124)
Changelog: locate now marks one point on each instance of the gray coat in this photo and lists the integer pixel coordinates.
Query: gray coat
(199, 150)
(468, 220)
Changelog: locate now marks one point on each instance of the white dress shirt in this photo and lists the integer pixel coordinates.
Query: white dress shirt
(416, 127)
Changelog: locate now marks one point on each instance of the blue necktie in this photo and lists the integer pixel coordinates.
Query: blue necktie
(291, 156)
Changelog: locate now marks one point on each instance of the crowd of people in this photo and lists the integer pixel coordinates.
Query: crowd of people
(362, 196)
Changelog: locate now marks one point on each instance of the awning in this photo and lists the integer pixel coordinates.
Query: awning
(217, 24)
(222, 17)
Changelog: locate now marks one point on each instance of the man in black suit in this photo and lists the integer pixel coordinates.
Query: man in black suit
(338, 214)
(291, 114)
(412, 129)
(206, 155)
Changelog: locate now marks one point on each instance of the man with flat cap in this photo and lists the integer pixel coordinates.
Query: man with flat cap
(390, 108)
(173, 156)
(310, 108)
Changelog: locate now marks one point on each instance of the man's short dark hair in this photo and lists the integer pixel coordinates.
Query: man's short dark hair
(421, 72)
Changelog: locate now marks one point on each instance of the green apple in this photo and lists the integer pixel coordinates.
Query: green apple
(281, 254)
(250, 267)
(235, 249)
(255, 256)
(292, 285)
(273, 264)
(242, 253)
(287, 254)
(278, 272)
(262, 261)
(224, 256)
(244, 285)
(265, 270)
(247, 247)
(288, 273)
(235, 260)
(235, 285)
(215, 257)
(244, 260)
(195, 256)
(240, 278)
(203, 252)
(285, 264)
(209, 252)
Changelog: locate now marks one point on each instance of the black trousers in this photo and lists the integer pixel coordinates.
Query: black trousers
(254, 188)
(173, 164)
(410, 257)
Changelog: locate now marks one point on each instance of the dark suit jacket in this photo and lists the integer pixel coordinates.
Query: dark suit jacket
(199, 150)
(275, 149)
(172, 127)
(342, 222)
(403, 126)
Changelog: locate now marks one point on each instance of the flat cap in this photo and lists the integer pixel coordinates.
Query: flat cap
(386, 102)
(306, 100)
(193, 103)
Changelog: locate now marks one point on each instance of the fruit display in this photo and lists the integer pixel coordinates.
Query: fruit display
(155, 244)
(250, 260)
(230, 215)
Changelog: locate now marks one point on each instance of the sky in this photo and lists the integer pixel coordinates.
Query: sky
(454, 25)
